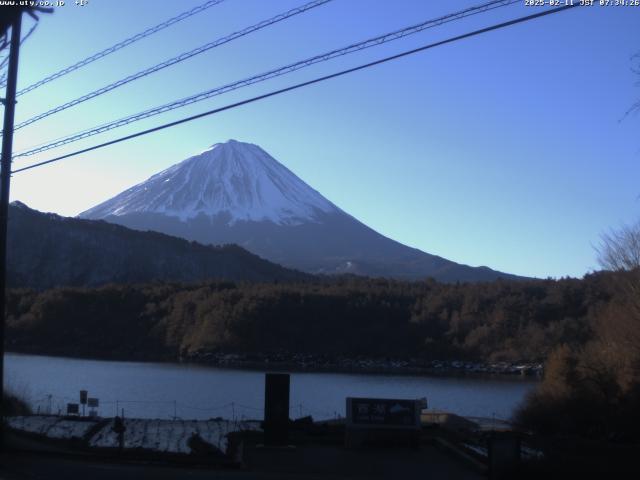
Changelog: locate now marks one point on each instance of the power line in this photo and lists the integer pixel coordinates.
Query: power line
(122, 44)
(31, 30)
(303, 84)
(371, 42)
(172, 61)
(4, 61)
(270, 74)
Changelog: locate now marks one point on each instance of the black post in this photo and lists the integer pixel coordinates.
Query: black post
(276, 409)
(5, 181)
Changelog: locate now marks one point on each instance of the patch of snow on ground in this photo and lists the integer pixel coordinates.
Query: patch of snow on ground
(477, 448)
(51, 426)
(170, 436)
(156, 435)
(531, 453)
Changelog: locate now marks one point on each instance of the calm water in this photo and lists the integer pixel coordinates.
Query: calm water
(161, 390)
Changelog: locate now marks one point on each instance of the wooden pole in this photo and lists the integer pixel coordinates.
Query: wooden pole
(5, 183)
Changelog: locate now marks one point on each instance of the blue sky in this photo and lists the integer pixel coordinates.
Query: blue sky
(508, 150)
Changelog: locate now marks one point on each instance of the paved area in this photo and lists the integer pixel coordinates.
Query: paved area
(317, 462)
(40, 467)
(427, 462)
(320, 458)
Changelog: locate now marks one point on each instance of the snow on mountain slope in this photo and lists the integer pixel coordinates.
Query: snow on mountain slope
(237, 193)
(234, 178)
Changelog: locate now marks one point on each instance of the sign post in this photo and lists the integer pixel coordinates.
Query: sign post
(83, 400)
(93, 404)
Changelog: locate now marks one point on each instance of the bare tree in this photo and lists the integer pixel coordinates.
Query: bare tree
(635, 68)
(620, 249)
(618, 327)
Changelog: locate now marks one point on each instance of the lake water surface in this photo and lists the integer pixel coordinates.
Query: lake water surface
(163, 390)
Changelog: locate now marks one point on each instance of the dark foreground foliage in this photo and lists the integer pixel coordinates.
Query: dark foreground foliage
(14, 405)
(499, 321)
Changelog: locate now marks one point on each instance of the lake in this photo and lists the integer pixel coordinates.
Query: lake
(189, 391)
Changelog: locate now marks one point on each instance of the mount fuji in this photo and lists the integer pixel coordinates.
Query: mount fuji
(235, 192)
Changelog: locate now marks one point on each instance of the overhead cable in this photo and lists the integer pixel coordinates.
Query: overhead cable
(172, 61)
(120, 45)
(371, 42)
(300, 85)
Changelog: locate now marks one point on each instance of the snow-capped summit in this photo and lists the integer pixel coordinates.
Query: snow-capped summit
(236, 192)
(236, 179)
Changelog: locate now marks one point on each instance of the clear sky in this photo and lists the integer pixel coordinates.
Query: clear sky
(508, 150)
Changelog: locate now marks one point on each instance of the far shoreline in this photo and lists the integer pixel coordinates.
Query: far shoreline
(517, 371)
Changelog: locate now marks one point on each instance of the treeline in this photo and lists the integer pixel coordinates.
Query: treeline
(348, 316)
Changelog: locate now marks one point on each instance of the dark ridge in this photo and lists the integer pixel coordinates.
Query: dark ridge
(46, 250)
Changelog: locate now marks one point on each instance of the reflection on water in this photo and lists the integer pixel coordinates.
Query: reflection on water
(162, 390)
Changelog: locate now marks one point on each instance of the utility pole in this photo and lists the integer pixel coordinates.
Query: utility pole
(5, 181)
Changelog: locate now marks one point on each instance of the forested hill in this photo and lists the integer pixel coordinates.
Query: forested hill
(503, 320)
(46, 250)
